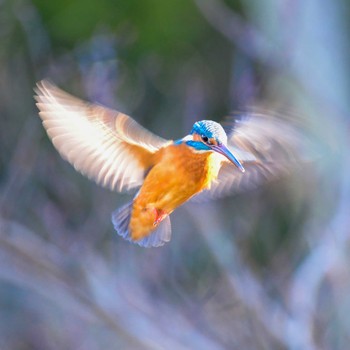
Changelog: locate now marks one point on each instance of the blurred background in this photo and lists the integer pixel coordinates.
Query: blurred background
(265, 269)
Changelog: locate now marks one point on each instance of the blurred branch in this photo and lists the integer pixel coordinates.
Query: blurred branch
(20, 166)
(245, 285)
(91, 287)
(291, 324)
(241, 33)
(37, 265)
(326, 257)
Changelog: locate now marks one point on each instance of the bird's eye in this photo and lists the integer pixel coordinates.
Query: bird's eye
(205, 139)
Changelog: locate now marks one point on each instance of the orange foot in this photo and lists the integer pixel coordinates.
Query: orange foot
(160, 215)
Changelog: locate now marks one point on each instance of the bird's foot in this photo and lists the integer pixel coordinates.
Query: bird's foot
(160, 215)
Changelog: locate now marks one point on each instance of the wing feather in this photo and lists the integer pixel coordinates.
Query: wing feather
(267, 138)
(103, 144)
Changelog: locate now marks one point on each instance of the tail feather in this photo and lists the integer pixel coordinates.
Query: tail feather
(157, 238)
(121, 220)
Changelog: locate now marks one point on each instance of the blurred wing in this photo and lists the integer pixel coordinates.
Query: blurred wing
(266, 146)
(103, 144)
(266, 138)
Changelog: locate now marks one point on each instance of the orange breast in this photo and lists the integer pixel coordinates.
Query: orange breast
(178, 174)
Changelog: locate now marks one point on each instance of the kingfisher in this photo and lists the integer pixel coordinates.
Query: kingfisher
(116, 152)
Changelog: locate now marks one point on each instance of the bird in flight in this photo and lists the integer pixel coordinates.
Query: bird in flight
(112, 149)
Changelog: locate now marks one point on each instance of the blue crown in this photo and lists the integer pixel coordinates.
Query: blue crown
(210, 129)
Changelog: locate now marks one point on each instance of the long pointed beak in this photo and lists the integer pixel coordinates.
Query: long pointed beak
(222, 149)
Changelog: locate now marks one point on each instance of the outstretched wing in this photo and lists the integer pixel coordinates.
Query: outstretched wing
(103, 144)
(267, 146)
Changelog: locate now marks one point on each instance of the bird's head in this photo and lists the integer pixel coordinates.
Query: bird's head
(207, 135)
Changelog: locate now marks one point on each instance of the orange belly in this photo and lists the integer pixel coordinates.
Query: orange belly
(179, 174)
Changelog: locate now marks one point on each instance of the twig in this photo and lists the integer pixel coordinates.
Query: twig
(242, 34)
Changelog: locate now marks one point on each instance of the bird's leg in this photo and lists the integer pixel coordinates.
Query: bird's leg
(160, 215)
